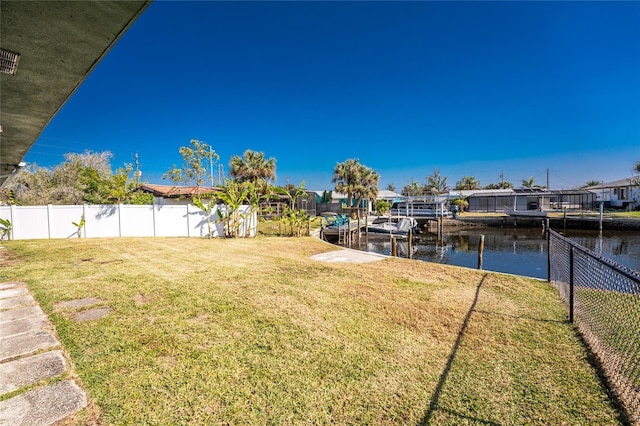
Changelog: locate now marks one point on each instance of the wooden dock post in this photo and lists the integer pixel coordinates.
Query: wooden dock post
(480, 250)
(410, 244)
(394, 247)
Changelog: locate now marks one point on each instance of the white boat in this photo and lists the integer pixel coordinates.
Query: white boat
(526, 213)
(420, 209)
(384, 225)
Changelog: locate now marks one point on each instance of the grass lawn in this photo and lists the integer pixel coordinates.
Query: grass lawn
(253, 331)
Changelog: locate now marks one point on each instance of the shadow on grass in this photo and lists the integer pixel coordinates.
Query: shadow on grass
(433, 406)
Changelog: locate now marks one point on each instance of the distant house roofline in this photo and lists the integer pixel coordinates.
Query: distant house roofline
(176, 191)
(615, 184)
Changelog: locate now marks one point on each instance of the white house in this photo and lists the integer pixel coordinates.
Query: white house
(390, 196)
(623, 193)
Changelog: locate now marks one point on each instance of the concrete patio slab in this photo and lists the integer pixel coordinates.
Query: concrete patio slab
(348, 256)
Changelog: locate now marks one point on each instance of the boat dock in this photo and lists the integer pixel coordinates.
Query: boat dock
(344, 233)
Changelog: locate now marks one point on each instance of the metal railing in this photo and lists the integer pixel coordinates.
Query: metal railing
(603, 298)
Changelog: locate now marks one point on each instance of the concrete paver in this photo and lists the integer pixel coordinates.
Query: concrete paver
(10, 284)
(19, 313)
(12, 292)
(44, 405)
(12, 302)
(23, 325)
(25, 344)
(30, 370)
(29, 355)
(78, 303)
(91, 314)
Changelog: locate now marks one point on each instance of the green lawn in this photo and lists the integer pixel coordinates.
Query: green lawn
(253, 331)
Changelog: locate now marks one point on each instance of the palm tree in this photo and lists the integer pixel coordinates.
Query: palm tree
(412, 189)
(436, 183)
(636, 167)
(358, 181)
(252, 167)
(345, 176)
(467, 183)
(591, 183)
(529, 183)
(367, 187)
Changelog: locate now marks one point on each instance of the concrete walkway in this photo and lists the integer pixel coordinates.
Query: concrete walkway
(345, 255)
(349, 256)
(34, 374)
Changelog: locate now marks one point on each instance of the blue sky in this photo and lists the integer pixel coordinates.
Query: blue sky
(470, 88)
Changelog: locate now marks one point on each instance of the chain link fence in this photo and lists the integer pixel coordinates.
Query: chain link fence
(603, 298)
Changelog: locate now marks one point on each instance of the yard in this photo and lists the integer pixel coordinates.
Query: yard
(253, 331)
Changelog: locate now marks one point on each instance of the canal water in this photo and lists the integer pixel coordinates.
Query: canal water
(521, 251)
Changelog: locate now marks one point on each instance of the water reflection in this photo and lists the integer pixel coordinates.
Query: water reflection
(521, 251)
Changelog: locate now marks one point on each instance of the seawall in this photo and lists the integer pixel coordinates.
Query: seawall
(591, 223)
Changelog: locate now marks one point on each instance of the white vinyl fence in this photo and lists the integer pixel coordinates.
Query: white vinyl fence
(119, 220)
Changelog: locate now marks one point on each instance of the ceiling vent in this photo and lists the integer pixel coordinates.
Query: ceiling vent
(8, 61)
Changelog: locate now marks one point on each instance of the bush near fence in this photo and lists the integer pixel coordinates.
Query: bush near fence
(118, 220)
(603, 299)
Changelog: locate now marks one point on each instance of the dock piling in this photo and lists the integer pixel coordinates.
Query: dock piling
(480, 250)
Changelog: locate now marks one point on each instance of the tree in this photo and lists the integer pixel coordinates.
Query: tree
(81, 178)
(345, 176)
(636, 170)
(592, 182)
(436, 183)
(462, 203)
(253, 167)
(233, 194)
(197, 162)
(412, 189)
(356, 180)
(207, 209)
(296, 219)
(79, 225)
(467, 183)
(367, 186)
(254, 197)
(529, 183)
(5, 229)
(391, 187)
(502, 185)
(382, 207)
